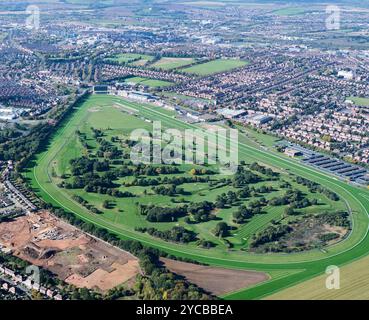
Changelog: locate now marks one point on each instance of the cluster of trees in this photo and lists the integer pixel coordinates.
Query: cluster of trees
(163, 285)
(245, 213)
(226, 199)
(315, 187)
(262, 189)
(270, 234)
(339, 219)
(155, 213)
(91, 182)
(221, 230)
(9, 134)
(13, 262)
(147, 170)
(144, 182)
(311, 185)
(176, 234)
(243, 178)
(201, 211)
(169, 190)
(181, 180)
(287, 238)
(198, 172)
(22, 149)
(108, 150)
(84, 165)
(118, 293)
(294, 198)
(266, 171)
(231, 198)
(85, 203)
(206, 244)
(82, 137)
(329, 194)
(97, 133)
(326, 237)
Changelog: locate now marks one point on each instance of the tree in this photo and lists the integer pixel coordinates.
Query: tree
(289, 211)
(221, 229)
(193, 172)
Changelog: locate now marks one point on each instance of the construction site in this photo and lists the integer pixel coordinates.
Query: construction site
(75, 257)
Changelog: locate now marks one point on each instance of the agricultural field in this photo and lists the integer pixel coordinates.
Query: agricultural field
(354, 284)
(233, 232)
(172, 63)
(216, 66)
(148, 82)
(134, 59)
(208, 277)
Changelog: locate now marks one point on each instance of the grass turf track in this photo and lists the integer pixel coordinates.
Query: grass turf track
(310, 263)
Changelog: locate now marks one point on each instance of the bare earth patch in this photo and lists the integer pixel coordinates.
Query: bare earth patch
(217, 281)
(106, 280)
(74, 256)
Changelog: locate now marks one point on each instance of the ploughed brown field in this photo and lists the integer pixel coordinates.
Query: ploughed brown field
(217, 281)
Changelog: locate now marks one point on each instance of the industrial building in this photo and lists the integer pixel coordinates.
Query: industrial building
(230, 113)
(8, 114)
(259, 119)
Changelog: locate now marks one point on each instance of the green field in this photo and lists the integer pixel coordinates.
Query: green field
(285, 269)
(216, 66)
(148, 82)
(135, 59)
(364, 102)
(172, 63)
(292, 11)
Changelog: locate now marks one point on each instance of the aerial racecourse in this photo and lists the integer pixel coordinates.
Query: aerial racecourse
(227, 232)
